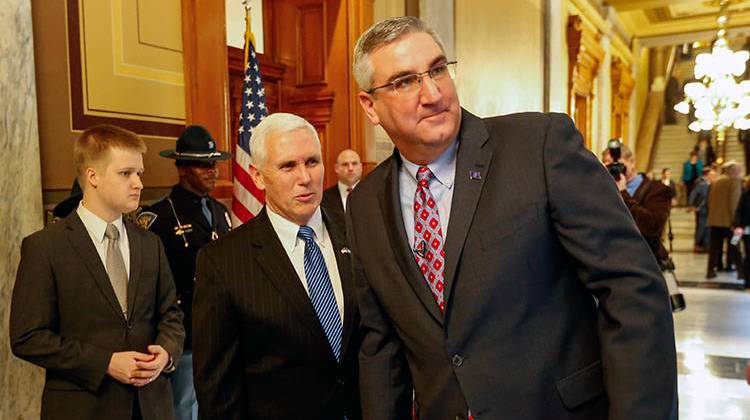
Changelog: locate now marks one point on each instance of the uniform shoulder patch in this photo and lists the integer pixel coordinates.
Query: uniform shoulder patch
(146, 219)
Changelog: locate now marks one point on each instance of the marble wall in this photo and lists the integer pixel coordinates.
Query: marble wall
(21, 207)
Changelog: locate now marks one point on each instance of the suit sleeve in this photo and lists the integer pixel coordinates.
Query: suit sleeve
(613, 261)
(651, 215)
(170, 331)
(34, 323)
(384, 379)
(216, 370)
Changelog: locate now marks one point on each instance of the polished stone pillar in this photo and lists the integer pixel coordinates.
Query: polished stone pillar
(21, 191)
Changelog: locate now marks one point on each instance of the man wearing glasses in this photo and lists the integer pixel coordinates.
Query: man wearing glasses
(499, 274)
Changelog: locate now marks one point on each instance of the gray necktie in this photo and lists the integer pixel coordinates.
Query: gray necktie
(118, 275)
(206, 211)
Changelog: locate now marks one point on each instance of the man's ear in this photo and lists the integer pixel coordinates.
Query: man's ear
(257, 178)
(368, 105)
(90, 177)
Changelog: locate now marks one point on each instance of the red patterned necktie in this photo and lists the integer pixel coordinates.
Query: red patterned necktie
(428, 236)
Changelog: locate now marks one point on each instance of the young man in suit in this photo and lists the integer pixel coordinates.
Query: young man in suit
(498, 272)
(94, 301)
(273, 298)
(349, 172)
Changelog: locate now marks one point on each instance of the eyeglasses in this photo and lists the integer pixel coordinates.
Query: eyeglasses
(411, 83)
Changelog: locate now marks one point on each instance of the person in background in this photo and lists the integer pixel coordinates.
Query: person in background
(698, 203)
(705, 150)
(666, 179)
(723, 198)
(185, 220)
(691, 172)
(349, 172)
(94, 301)
(741, 228)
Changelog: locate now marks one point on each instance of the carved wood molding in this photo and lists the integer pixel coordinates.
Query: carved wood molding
(622, 89)
(584, 56)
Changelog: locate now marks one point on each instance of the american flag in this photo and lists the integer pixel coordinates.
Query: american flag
(248, 199)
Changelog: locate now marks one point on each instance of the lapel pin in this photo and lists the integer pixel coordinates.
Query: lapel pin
(346, 250)
(475, 175)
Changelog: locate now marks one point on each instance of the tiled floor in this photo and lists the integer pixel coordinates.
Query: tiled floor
(712, 335)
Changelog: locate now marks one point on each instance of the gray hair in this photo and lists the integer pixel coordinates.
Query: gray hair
(384, 33)
(278, 123)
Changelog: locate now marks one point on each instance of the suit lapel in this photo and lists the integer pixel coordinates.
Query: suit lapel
(80, 241)
(472, 167)
(279, 270)
(339, 204)
(344, 264)
(390, 203)
(135, 246)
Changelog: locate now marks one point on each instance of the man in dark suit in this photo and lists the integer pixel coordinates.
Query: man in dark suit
(94, 301)
(185, 220)
(533, 295)
(349, 172)
(273, 299)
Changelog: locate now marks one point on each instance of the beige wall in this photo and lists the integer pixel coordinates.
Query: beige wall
(55, 134)
(500, 56)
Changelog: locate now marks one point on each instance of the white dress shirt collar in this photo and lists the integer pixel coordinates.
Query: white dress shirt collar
(95, 225)
(287, 230)
(443, 168)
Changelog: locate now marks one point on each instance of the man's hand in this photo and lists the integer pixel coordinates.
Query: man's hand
(149, 370)
(622, 183)
(123, 365)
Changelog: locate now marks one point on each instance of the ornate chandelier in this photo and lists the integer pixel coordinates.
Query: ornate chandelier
(719, 101)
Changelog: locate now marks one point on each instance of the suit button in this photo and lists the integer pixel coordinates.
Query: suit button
(340, 382)
(457, 360)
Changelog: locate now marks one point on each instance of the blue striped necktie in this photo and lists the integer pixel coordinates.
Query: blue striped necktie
(321, 291)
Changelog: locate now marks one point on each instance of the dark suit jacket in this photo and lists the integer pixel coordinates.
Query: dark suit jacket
(182, 258)
(536, 232)
(65, 318)
(262, 353)
(334, 207)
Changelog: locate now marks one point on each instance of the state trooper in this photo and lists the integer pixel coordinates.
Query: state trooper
(185, 220)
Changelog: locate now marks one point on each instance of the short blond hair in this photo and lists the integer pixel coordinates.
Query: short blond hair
(94, 144)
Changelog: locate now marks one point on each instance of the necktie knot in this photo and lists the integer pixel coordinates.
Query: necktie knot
(111, 232)
(424, 175)
(306, 233)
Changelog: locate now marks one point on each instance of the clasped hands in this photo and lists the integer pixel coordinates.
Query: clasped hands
(136, 368)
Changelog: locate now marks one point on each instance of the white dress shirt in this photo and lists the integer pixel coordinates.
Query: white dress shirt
(295, 249)
(344, 193)
(441, 186)
(96, 226)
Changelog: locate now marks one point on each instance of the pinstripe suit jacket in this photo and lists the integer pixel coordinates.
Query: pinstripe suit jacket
(259, 351)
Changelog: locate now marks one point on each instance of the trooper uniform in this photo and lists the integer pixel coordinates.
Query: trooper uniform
(179, 221)
(185, 222)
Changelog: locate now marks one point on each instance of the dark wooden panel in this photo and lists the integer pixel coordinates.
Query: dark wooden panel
(206, 77)
(311, 51)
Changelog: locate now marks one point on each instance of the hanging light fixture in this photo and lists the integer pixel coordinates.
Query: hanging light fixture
(720, 102)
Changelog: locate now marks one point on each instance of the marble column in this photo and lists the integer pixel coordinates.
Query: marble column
(21, 191)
